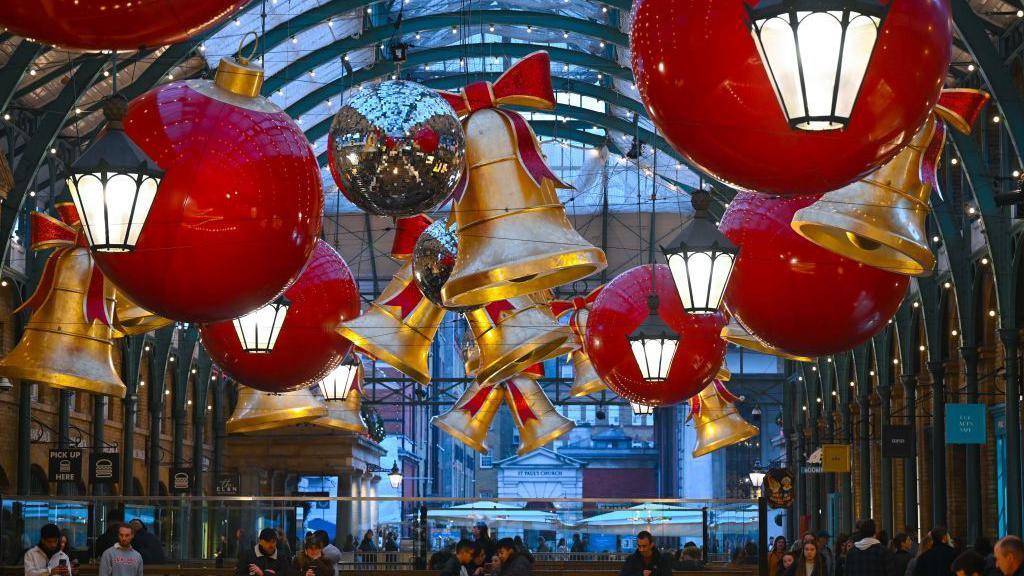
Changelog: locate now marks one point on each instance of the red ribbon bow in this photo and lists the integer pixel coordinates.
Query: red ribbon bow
(64, 234)
(577, 303)
(476, 402)
(527, 83)
(520, 405)
(960, 108)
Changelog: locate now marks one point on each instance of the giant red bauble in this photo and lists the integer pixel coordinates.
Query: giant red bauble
(113, 24)
(308, 347)
(237, 213)
(620, 308)
(793, 294)
(704, 85)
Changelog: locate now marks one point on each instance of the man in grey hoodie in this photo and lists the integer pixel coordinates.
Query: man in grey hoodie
(121, 559)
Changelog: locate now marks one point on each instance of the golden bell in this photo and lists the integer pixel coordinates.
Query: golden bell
(399, 326)
(585, 380)
(534, 414)
(470, 418)
(723, 374)
(257, 410)
(130, 319)
(735, 333)
(515, 334)
(344, 414)
(717, 422)
(57, 347)
(514, 237)
(880, 219)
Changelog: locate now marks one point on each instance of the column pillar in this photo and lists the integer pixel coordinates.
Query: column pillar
(972, 456)
(938, 477)
(885, 463)
(846, 480)
(344, 509)
(99, 416)
(864, 450)
(64, 435)
(1013, 445)
(910, 464)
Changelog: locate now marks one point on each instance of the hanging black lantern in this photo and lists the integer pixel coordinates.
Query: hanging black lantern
(653, 343)
(701, 259)
(816, 53)
(113, 185)
(258, 330)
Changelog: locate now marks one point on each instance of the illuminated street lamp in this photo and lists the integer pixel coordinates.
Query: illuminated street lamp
(816, 53)
(641, 409)
(701, 259)
(653, 343)
(395, 476)
(338, 384)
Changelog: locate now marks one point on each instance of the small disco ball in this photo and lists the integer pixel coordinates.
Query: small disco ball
(433, 259)
(396, 149)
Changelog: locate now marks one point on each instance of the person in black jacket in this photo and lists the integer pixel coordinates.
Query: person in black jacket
(937, 561)
(969, 563)
(310, 561)
(868, 557)
(514, 562)
(115, 517)
(901, 544)
(265, 558)
(456, 565)
(647, 560)
(146, 543)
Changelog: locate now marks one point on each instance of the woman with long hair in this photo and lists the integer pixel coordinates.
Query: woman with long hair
(810, 563)
(775, 556)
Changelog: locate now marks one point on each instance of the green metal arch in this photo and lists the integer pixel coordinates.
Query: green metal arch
(300, 22)
(384, 32)
(381, 69)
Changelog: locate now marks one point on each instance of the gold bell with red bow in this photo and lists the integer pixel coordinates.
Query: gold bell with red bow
(585, 378)
(68, 341)
(515, 334)
(514, 237)
(736, 334)
(880, 219)
(256, 411)
(716, 420)
(538, 421)
(399, 326)
(470, 418)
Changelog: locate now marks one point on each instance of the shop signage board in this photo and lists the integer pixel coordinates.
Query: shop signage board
(65, 465)
(778, 487)
(835, 458)
(897, 441)
(104, 467)
(965, 424)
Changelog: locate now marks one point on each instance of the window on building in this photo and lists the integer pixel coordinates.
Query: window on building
(110, 410)
(613, 415)
(486, 461)
(590, 414)
(641, 420)
(33, 391)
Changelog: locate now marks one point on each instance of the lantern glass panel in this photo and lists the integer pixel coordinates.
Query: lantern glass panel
(338, 384)
(113, 207)
(861, 35)
(654, 356)
(701, 278)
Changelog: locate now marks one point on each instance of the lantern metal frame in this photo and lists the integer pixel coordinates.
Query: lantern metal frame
(653, 328)
(794, 13)
(701, 238)
(280, 310)
(348, 374)
(114, 157)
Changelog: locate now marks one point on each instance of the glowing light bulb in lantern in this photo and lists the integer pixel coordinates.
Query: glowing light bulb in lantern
(816, 54)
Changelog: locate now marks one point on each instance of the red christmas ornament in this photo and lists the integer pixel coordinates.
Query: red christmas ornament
(620, 308)
(238, 211)
(106, 25)
(704, 85)
(308, 347)
(794, 295)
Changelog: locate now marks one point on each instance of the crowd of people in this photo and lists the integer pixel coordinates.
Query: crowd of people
(118, 550)
(870, 552)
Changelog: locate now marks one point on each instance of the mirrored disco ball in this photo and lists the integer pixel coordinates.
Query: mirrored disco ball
(396, 149)
(433, 259)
